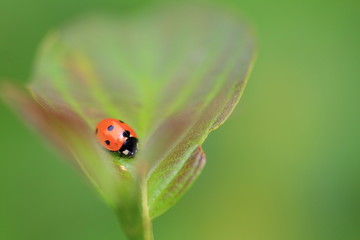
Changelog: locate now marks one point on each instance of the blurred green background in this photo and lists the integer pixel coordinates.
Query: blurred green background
(290, 168)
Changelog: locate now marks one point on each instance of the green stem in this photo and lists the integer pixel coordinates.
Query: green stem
(147, 225)
(133, 212)
(133, 209)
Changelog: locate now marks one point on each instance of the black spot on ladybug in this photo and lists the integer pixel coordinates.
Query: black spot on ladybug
(96, 131)
(126, 133)
(110, 128)
(121, 121)
(107, 142)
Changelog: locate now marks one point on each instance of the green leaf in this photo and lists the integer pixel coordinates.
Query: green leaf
(174, 74)
(180, 181)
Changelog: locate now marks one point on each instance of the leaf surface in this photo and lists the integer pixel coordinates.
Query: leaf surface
(174, 74)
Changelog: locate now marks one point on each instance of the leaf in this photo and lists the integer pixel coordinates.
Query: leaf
(174, 74)
(182, 181)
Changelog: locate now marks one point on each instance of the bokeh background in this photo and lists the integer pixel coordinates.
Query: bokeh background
(290, 161)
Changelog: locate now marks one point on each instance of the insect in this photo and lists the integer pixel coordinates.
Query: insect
(117, 136)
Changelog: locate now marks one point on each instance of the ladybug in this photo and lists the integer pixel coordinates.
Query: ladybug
(117, 136)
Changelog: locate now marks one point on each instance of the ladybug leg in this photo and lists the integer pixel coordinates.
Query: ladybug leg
(129, 148)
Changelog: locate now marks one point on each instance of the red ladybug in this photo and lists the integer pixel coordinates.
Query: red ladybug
(117, 136)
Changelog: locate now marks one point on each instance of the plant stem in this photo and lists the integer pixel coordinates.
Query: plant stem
(133, 211)
(147, 225)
